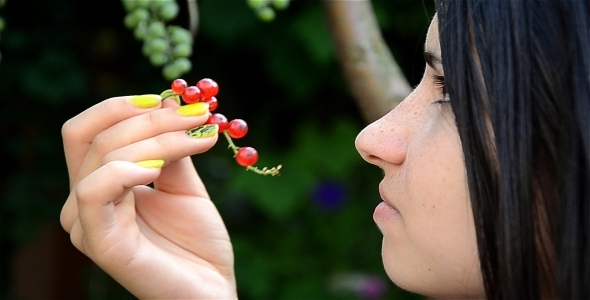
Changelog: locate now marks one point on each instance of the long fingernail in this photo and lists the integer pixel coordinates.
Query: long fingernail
(196, 109)
(145, 101)
(205, 131)
(151, 163)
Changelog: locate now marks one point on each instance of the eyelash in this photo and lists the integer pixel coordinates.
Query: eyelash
(439, 81)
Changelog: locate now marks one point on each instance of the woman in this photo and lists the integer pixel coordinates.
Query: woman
(486, 169)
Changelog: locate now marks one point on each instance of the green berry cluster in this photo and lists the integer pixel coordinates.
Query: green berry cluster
(266, 9)
(166, 46)
(2, 23)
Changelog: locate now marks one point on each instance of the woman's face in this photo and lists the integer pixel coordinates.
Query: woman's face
(429, 243)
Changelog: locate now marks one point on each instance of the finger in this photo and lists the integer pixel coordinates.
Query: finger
(79, 132)
(170, 146)
(69, 212)
(134, 129)
(181, 177)
(97, 196)
(169, 102)
(76, 235)
(139, 128)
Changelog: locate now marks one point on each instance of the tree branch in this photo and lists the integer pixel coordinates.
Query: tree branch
(193, 12)
(375, 79)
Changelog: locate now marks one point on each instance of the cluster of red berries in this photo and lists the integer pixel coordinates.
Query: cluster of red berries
(205, 91)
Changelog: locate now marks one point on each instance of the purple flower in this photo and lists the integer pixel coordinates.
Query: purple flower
(373, 288)
(366, 286)
(329, 195)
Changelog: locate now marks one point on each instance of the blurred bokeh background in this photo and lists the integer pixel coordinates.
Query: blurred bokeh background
(307, 234)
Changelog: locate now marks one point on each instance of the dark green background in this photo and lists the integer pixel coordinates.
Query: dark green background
(60, 57)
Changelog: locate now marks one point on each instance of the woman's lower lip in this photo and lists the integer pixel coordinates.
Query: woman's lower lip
(384, 212)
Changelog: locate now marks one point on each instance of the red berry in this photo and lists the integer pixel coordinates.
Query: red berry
(247, 156)
(220, 120)
(237, 128)
(178, 86)
(191, 94)
(212, 103)
(208, 88)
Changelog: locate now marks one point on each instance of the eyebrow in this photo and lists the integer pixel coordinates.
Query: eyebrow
(432, 59)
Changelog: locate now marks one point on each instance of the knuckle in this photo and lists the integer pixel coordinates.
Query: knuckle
(86, 190)
(101, 144)
(112, 169)
(77, 236)
(68, 130)
(154, 119)
(162, 141)
(107, 158)
(82, 191)
(67, 216)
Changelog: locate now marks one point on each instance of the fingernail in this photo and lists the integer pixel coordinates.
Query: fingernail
(151, 163)
(205, 131)
(145, 101)
(196, 109)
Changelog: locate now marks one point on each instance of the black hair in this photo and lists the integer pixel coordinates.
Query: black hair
(518, 76)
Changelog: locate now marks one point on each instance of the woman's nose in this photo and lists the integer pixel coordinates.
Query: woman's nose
(385, 141)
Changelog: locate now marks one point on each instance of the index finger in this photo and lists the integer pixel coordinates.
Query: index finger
(79, 131)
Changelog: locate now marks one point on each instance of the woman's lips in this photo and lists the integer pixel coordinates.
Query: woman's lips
(385, 199)
(385, 210)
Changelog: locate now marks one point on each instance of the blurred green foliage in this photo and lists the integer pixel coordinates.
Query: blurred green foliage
(294, 235)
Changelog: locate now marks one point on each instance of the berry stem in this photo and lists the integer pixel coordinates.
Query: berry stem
(169, 93)
(231, 143)
(274, 171)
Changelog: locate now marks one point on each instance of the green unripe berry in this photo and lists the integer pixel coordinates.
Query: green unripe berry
(156, 29)
(140, 31)
(129, 5)
(130, 21)
(158, 45)
(145, 49)
(280, 4)
(266, 14)
(168, 11)
(2, 24)
(142, 3)
(183, 64)
(257, 4)
(158, 59)
(171, 72)
(182, 50)
(140, 14)
(179, 35)
(157, 4)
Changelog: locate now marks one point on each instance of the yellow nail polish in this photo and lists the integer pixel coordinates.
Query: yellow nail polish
(151, 163)
(205, 131)
(145, 101)
(195, 109)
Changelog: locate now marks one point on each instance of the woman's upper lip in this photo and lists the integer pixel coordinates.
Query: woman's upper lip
(384, 198)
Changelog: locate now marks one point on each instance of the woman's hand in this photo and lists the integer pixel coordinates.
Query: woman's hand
(163, 242)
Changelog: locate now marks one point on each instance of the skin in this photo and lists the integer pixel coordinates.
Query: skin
(429, 243)
(163, 243)
(170, 242)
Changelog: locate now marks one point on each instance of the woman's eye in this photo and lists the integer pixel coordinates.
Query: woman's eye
(439, 81)
(445, 100)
